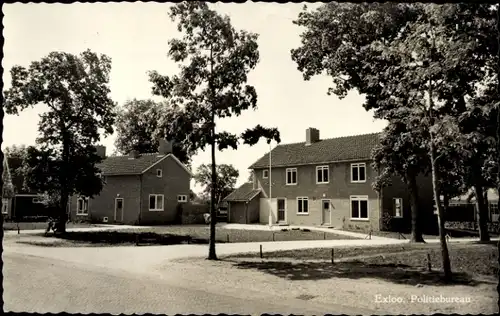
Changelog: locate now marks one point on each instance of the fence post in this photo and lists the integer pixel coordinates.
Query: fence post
(227, 237)
(324, 235)
(332, 256)
(273, 236)
(261, 251)
(429, 267)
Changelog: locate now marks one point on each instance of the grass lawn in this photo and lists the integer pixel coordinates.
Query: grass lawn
(467, 259)
(451, 232)
(40, 225)
(167, 235)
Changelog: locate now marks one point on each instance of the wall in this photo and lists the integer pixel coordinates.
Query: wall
(338, 190)
(425, 202)
(174, 181)
(103, 205)
(265, 207)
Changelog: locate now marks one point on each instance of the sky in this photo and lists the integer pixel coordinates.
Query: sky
(135, 36)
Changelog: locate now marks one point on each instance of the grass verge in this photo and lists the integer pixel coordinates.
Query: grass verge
(169, 235)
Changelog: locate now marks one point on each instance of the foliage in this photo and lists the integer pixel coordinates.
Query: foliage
(214, 60)
(137, 129)
(227, 176)
(75, 90)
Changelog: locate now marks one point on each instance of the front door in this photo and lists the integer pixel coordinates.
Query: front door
(119, 210)
(281, 210)
(325, 206)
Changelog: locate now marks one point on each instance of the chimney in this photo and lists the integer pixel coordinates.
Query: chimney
(101, 151)
(312, 136)
(165, 147)
(133, 154)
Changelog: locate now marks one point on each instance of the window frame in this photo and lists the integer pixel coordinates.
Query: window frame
(85, 206)
(291, 170)
(302, 199)
(357, 166)
(179, 200)
(359, 198)
(400, 206)
(156, 209)
(322, 169)
(265, 174)
(159, 173)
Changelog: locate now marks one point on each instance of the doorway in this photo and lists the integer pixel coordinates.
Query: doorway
(325, 207)
(119, 210)
(281, 209)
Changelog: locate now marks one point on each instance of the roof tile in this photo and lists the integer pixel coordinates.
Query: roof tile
(326, 150)
(124, 165)
(244, 193)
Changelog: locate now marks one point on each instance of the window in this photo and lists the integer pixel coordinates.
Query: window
(82, 207)
(322, 174)
(398, 207)
(265, 174)
(359, 208)
(156, 202)
(494, 212)
(358, 172)
(303, 205)
(5, 205)
(182, 198)
(291, 176)
(159, 173)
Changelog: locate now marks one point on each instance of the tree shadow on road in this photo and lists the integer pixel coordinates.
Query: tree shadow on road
(396, 273)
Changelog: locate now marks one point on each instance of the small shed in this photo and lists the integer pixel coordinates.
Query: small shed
(243, 205)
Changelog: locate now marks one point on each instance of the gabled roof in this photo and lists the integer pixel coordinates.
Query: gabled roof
(347, 148)
(244, 193)
(124, 165)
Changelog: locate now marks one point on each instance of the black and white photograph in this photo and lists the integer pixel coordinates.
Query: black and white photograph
(250, 158)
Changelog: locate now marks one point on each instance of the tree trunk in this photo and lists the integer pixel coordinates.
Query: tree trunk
(213, 214)
(416, 222)
(62, 217)
(442, 233)
(482, 214)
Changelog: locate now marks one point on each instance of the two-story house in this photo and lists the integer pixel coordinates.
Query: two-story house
(138, 189)
(323, 182)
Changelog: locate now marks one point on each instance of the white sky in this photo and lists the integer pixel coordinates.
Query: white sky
(135, 36)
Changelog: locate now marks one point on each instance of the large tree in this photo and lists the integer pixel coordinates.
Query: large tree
(401, 152)
(76, 93)
(214, 60)
(226, 177)
(137, 129)
(423, 57)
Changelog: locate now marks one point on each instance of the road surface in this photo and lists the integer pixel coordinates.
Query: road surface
(38, 284)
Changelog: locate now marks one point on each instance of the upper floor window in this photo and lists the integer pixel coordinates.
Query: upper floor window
(182, 198)
(358, 172)
(265, 174)
(398, 207)
(322, 174)
(291, 176)
(159, 173)
(156, 202)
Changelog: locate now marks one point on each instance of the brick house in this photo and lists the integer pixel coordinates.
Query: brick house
(138, 189)
(327, 182)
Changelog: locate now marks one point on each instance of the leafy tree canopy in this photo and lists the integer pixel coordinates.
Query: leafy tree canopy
(227, 176)
(137, 129)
